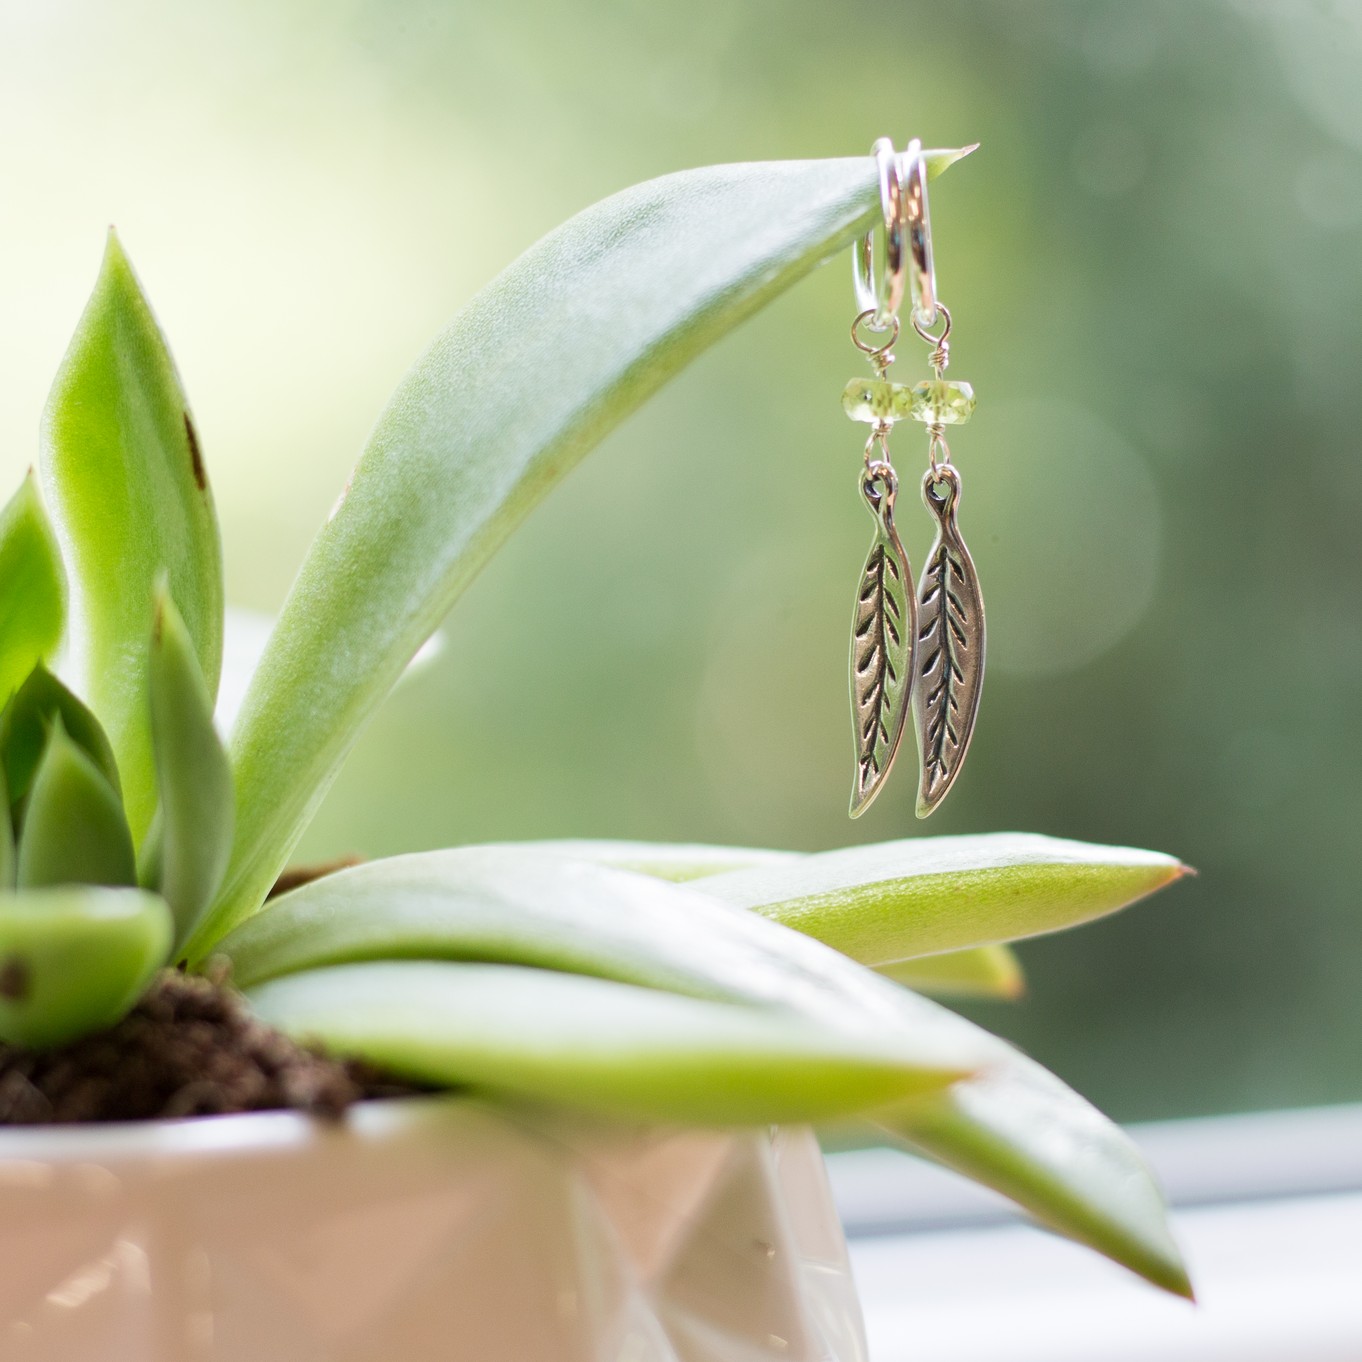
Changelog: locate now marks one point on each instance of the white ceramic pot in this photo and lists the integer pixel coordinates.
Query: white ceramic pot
(421, 1230)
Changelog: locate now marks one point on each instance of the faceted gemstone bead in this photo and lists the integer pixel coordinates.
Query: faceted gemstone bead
(940, 402)
(876, 400)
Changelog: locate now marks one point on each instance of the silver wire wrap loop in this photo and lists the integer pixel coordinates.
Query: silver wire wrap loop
(878, 441)
(881, 355)
(881, 293)
(941, 352)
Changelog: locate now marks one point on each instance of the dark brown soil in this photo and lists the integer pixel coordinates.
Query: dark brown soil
(189, 1048)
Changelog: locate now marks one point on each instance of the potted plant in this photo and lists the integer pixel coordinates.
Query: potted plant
(610, 1052)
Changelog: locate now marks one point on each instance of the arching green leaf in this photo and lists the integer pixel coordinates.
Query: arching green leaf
(73, 829)
(504, 905)
(74, 960)
(583, 1042)
(1016, 1128)
(582, 328)
(32, 588)
(193, 834)
(980, 972)
(125, 478)
(516, 906)
(899, 900)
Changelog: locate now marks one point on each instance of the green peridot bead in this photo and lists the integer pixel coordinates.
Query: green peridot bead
(939, 402)
(876, 400)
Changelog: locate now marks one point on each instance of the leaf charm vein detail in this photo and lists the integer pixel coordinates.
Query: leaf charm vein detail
(949, 670)
(883, 634)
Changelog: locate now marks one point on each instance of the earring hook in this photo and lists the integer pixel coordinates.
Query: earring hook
(907, 242)
(918, 231)
(881, 294)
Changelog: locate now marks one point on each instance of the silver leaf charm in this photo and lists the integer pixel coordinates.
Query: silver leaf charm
(950, 645)
(883, 631)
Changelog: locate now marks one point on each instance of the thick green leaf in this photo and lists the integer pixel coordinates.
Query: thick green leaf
(32, 588)
(582, 328)
(517, 906)
(26, 721)
(981, 972)
(897, 900)
(511, 906)
(73, 960)
(1016, 1128)
(585, 1042)
(193, 836)
(675, 861)
(74, 831)
(130, 499)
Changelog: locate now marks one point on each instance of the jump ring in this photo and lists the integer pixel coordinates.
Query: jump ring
(867, 319)
(881, 295)
(922, 328)
(879, 437)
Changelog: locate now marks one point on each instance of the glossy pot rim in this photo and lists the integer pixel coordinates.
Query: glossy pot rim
(250, 1132)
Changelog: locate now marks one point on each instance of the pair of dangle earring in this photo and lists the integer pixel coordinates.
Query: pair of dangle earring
(912, 647)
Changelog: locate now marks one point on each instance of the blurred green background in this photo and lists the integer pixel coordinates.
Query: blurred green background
(1155, 266)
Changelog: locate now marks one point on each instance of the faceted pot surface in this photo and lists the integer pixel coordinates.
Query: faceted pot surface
(422, 1229)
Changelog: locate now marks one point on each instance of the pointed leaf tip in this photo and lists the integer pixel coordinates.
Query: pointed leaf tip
(32, 587)
(1017, 1128)
(114, 254)
(894, 901)
(73, 829)
(187, 851)
(940, 161)
(125, 480)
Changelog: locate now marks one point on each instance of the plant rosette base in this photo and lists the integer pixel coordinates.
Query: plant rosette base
(421, 1229)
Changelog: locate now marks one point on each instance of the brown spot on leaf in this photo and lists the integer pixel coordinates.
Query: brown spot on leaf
(15, 979)
(298, 875)
(195, 457)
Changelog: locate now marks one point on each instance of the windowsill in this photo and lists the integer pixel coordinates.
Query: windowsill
(1268, 1209)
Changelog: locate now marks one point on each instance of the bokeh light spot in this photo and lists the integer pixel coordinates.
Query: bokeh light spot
(1067, 526)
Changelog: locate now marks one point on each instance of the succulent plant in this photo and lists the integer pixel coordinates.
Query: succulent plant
(675, 983)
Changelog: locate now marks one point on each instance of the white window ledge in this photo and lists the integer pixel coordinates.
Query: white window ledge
(1268, 1209)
